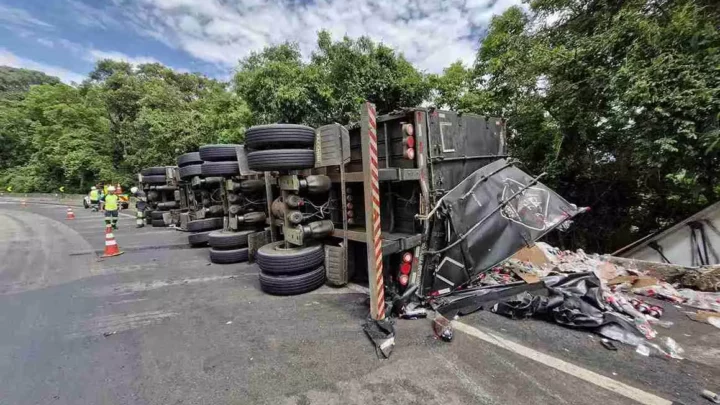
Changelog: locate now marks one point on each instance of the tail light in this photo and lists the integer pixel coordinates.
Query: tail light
(408, 141)
(407, 257)
(405, 268)
(349, 206)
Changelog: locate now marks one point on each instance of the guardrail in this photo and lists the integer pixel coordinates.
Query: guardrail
(46, 198)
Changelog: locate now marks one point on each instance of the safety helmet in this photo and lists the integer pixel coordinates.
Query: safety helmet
(93, 188)
(111, 189)
(133, 190)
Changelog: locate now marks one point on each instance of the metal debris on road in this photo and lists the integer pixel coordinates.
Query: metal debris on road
(382, 334)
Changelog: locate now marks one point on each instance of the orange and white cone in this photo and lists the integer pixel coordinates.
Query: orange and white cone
(111, 246)
(70, 214)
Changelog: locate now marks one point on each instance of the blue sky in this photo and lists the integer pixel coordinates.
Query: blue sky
(65, 37)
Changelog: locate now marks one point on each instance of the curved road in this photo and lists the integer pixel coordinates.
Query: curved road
(161, 325)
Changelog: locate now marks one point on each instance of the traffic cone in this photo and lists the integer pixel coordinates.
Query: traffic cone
(70, 214)
(111, 246)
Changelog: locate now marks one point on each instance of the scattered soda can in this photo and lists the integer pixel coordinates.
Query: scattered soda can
(655, 311)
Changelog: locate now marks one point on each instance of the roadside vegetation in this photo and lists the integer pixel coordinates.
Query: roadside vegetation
(618, 101)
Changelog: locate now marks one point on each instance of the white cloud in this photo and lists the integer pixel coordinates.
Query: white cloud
(19, 17)
(46, 42)
(94, 55)
(91, 17)
(430, 34)
(7, 58)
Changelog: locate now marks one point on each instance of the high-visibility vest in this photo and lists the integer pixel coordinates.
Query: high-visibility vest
(94, 194)
(111, 202)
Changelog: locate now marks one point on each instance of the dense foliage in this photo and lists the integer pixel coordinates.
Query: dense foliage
(14, 82)
(617, 100)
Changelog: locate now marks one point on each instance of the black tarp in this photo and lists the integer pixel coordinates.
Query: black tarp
(572, 300)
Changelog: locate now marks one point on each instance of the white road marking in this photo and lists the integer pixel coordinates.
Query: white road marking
(568, 368)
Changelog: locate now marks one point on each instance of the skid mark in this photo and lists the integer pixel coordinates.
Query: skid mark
(131, 288)
(112, 324)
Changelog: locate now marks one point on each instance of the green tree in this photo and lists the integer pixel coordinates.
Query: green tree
(14, 82)
(617, 101)
(280, 87)
(66, 136)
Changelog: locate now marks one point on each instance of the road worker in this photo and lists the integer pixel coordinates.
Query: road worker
(111, 206)
(94, 198)
(140, 206)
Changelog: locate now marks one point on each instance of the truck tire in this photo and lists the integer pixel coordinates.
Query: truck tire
(198, 239)
(153, 171)
(279, 136)
(292, 284)
(228, 240)
(218, 153)
(85, 204)
(228, 256)
(207, 224)
(154, 179)
(156, 215)
(281, 159)
(158, 223)
(275, 258)
(192, 158)
(152, 196)
(190, 171)
(220, 168)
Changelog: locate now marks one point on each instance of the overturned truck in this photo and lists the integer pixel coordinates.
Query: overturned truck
(417, 202)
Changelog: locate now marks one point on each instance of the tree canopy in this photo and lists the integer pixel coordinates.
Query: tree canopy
(14, 81)
(618, 101)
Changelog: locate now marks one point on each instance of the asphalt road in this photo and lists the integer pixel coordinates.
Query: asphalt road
(161, 325)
